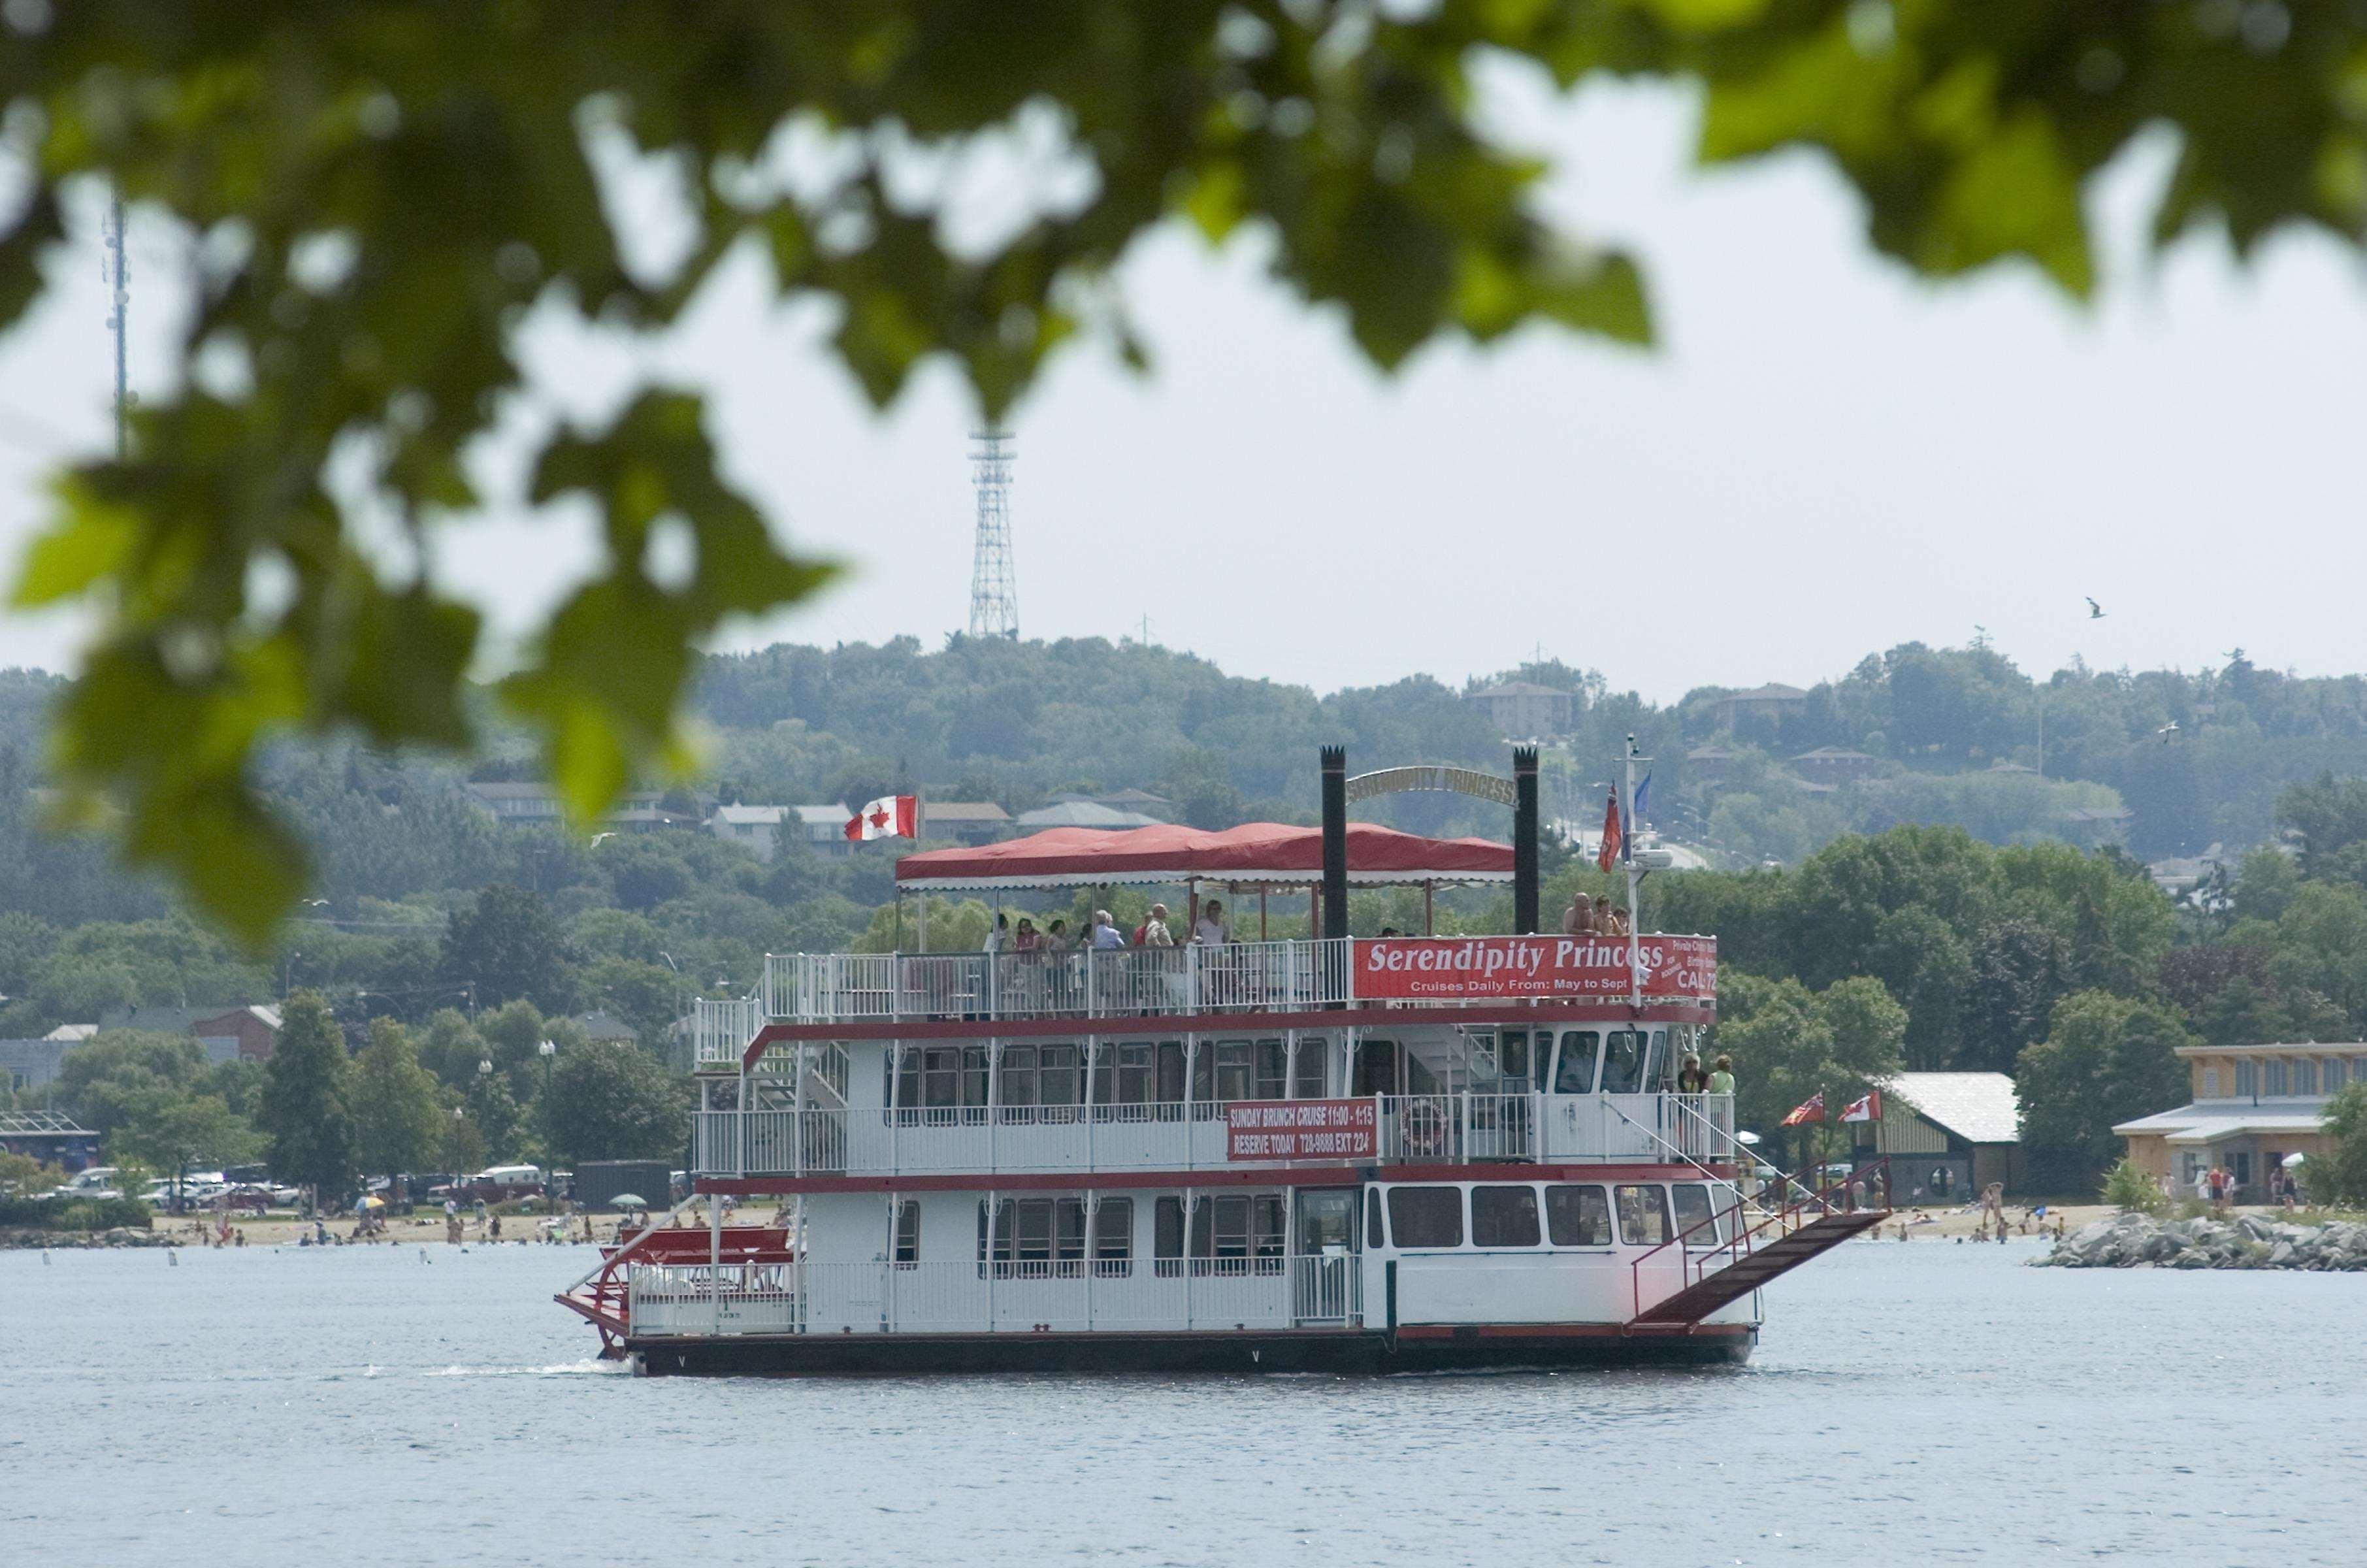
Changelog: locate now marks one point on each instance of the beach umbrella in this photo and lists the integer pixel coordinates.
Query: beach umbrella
(628, 1200)
(371, 1203)
(1748, 1140)
(2292, 1160)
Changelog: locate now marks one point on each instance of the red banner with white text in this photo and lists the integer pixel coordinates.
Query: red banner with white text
(1467, 969)
(1301, 1129)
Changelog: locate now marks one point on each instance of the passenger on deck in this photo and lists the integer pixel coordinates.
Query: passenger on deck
(1105, 933)
(1721, 1077)
(1055, 936)
(1691, 1079)
(1603, 927)
(1577, 920)
(1211, 931)
(1153, 932)
(1026, 939)
(998, 934)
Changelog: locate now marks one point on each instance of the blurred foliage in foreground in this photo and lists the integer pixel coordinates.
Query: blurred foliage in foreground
(378, 195)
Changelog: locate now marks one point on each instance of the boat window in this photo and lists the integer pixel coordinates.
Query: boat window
(1623, 1062)
(908, 1233)
(1512, 1055)
(1018, 1074)
(1233, 1066)
(1578, 1217)
(1327, 1219)
(1643, 1215)
(1167, 1235)
(1420, 1079)
(1426, 1216)
(941, 1077)
(1113, 1235)
(1068, 1230)
(1312, 1049)
(1658, 1064)
(1374, 1236)
(1233, 1230)
(1576, 1074)
(1055, 1080)
(1504, 1216)
(1133, 1074)
(1273, 1067)
(975, 1077)
(1171, 1072)
(1038, 1237)
(1693, 1206)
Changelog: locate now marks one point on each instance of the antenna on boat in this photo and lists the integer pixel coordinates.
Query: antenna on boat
(1634, 877)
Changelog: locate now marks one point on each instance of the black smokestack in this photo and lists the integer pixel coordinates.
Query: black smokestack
(1525, 839)
(1335, 841)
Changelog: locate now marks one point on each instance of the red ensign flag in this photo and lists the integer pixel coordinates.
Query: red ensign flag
(1610, 833)
(1811, 1109)
(890, 817)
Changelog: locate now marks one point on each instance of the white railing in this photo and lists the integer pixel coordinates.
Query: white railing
(1118, 982)
(721, 1030)
(1005, 1296)
(1445, 1129)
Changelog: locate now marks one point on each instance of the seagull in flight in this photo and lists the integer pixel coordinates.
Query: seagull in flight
(2095, 610)
(2168, 733)
(600, 838)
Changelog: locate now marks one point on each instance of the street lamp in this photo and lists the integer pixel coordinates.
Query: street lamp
(548, 1050)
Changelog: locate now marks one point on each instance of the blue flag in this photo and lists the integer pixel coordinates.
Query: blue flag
(1643, 798)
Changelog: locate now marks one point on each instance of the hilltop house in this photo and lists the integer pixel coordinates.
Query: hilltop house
(1948, 1135)
(1773, 702)
(2253, 1106)
(972, 821)
(1523, 710)
(1835, 764)
(249, 1034)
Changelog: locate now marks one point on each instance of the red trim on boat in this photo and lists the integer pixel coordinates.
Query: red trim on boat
(1175, 1025)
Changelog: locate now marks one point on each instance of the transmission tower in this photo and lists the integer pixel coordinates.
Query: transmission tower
(993, 580)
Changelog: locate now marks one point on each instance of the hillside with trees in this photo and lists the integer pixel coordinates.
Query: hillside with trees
(1928, 915)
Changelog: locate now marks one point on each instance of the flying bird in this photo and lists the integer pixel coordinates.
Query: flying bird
(2168, 733)
(600, 838)
(2095, 610)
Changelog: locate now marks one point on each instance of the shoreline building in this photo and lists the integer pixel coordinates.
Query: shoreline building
(1947, 1135)
(2253, 1107)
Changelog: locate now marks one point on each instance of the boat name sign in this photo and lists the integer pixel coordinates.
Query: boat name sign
(1301, 1129)
(1465, 967)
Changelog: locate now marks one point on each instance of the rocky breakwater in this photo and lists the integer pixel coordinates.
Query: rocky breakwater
(2138, 1241)
(29, 1240)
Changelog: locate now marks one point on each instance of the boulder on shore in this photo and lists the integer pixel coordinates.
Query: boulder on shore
(2130, 1240)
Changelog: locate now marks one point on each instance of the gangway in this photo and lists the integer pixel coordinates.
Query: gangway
(1801, 1228)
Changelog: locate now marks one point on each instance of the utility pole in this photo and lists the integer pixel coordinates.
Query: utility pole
(121, 301)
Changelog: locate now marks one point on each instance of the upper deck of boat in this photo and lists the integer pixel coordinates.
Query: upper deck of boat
(815, 996)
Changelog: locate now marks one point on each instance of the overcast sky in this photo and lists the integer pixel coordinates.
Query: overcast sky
(1824, 457)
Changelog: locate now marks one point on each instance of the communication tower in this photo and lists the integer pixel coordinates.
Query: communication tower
(993, 580)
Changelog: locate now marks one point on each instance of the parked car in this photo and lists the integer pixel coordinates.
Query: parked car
(97, 1181)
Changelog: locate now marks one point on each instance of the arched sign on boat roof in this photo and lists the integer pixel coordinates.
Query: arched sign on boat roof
(1434, 777)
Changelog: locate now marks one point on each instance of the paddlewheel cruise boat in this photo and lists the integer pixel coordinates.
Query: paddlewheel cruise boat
(1401, 1152)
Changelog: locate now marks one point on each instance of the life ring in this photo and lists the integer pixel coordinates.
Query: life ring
(1423, 1128)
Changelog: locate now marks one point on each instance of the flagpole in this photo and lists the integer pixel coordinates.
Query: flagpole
(1627, 863)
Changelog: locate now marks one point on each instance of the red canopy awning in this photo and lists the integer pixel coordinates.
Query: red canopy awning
(1268, 852)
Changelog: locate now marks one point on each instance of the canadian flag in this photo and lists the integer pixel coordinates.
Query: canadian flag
(1811, 1109)
(1866, 1110)
(889, 817)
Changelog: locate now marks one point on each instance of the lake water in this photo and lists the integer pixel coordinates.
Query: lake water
(1908, 1404)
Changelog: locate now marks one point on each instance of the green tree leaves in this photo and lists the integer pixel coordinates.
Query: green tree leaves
(307, 1111)
(612, 1101)
(2105, 1059)
(381, 196)
(398, 1116)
